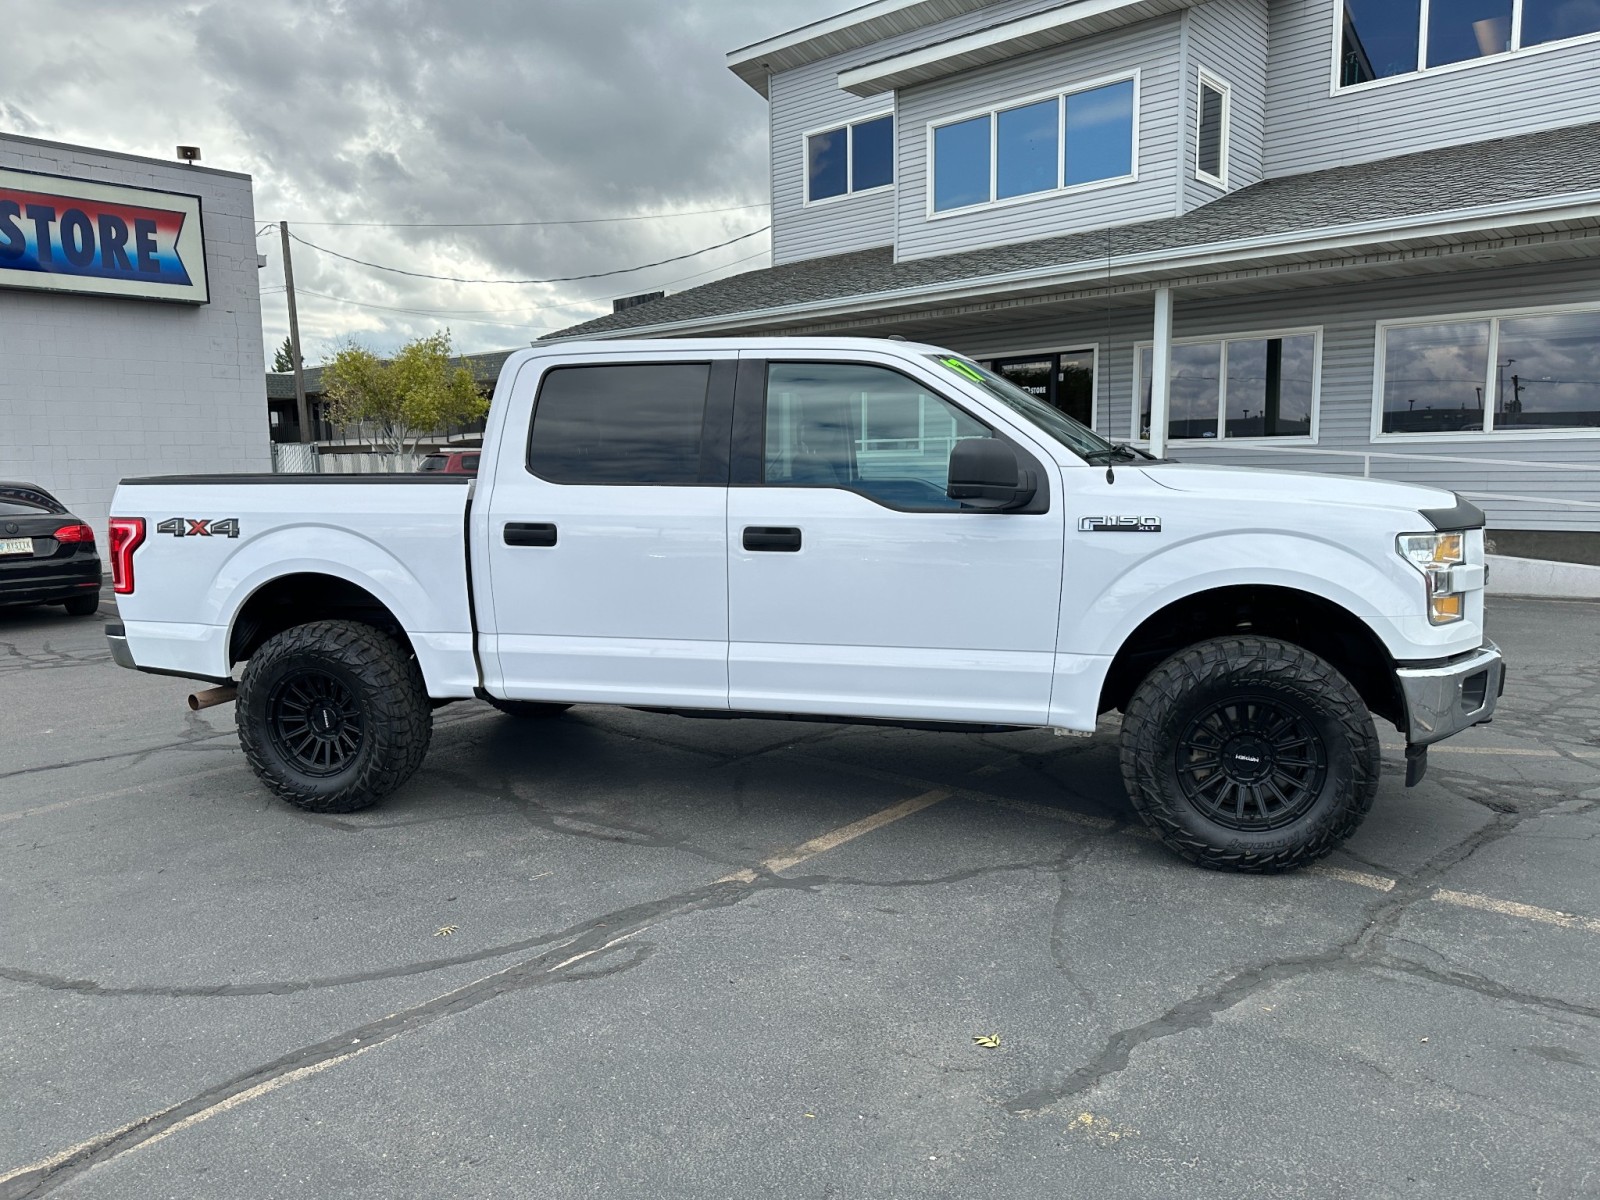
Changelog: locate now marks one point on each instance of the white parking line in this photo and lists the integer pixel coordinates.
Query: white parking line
(838, 837)
(1510, 908)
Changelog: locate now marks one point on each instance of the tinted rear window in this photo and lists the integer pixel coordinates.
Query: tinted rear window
(469, 462)
(434, 462)
(620, 424)
(27, 502)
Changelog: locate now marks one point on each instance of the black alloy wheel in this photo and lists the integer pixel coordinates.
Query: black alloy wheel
(333, 715)
(1252, 762)
(1247, 753)
(315, 722)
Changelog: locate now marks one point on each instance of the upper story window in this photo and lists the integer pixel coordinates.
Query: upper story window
(1211, 132)
(1512, 374)
(1067, 140)
(1380, 39)
(850, 158)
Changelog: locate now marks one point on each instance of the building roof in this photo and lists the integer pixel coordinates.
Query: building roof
(850, 30)
(485, 368)
(1545, 177)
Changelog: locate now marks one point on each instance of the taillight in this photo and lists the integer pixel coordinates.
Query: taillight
(127, 535)
(75, 534)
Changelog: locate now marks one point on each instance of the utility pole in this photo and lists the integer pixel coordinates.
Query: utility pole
(294, 339)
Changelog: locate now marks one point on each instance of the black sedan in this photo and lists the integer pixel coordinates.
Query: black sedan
(47, 555)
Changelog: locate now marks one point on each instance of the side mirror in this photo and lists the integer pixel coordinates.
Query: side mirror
(986, 473)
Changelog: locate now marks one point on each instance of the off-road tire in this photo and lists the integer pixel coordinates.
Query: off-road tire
(82, 606)
(529, 710)
(387, 696)
(1186, 686)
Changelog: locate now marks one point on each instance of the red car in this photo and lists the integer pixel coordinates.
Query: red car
(453, 462)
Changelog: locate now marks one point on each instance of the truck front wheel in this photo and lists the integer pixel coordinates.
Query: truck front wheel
(1249, 754)
(333, 716)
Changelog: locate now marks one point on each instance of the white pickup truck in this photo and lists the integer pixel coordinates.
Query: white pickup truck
(826, 529)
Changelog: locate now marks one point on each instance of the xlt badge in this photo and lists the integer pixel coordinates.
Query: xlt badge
(1119, 525)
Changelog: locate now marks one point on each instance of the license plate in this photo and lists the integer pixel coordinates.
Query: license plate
(16, 546)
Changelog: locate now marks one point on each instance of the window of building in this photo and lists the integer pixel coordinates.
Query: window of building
(1506, 374)
(1065, 381)
(864, 428)
(1063, 141)
(634, 424)
(1211, 132)
(850, 158)
(1251, 386)
(1380, 39)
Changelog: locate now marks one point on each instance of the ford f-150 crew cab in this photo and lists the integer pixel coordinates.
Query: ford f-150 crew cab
(828, 529)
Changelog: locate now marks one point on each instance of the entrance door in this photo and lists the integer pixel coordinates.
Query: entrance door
(856, 587)
(607, 543)
(1065, 380)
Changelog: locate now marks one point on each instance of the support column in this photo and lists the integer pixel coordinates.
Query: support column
(1160, 372)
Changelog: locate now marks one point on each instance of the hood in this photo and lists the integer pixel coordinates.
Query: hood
(1252, 483)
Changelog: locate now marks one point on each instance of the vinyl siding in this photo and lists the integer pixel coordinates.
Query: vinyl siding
(1309, 129)
(1228, 40)
(809, 98)
(1549, 469)
(1152, 47)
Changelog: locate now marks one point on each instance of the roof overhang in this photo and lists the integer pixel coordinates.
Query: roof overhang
(848, 31)
(1433, 235)
(997, 43)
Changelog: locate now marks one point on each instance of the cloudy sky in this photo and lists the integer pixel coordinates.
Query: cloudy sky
(422, 111)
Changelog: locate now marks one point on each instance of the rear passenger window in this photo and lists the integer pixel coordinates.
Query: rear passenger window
(620, 424)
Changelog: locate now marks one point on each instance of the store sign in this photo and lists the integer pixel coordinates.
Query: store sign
(74, 235)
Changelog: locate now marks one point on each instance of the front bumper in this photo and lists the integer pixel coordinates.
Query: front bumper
(1442, 701)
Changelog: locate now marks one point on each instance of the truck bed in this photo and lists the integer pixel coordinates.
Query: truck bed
(211, 542)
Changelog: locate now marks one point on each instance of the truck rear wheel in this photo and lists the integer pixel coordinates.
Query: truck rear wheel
(1249, 754)
(333, 716)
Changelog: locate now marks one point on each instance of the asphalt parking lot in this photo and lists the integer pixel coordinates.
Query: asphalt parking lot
(618, 954)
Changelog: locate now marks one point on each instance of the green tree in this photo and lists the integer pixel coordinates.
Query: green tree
(400, 399)
(283, 357)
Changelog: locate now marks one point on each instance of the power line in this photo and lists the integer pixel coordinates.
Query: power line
(558, 279)
(691, 212)
(459, 314)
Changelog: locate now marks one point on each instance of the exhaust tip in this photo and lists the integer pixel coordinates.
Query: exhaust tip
(211, 697)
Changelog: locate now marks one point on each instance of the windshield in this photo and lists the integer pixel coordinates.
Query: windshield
(1081, 440)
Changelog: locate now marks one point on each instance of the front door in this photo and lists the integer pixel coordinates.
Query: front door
(856, 587)
(607, 539)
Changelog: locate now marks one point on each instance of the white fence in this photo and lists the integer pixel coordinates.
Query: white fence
(294, 458)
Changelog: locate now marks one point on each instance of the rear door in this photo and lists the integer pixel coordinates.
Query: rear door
(856, 587)
(607, 537)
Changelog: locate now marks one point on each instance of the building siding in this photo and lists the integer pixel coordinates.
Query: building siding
(809, 98)
(1151, 47)
(1309, 129)
(1549, 469)
(1228, 40)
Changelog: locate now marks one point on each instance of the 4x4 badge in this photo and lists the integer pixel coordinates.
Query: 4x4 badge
(1119, 525)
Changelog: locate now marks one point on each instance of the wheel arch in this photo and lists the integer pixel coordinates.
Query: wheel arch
(1313, 622)
(300, 598)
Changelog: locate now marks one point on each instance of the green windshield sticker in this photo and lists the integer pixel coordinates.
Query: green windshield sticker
(961, 368)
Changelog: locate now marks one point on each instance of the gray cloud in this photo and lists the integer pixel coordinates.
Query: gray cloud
(414, 110)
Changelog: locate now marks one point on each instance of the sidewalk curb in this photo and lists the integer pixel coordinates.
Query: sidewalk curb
(1542, 577)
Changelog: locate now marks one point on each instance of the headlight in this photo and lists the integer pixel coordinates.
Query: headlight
(1436, 555)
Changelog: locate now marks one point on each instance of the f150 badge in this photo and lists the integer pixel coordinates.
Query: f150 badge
(190, 527)
(1119, 525)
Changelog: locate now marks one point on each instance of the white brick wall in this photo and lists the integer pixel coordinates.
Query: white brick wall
(93, 388)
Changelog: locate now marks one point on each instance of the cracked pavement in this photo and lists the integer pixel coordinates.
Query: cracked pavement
(210, 994)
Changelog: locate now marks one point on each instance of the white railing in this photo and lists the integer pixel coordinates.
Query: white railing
(1366, 457)
(295, 458)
